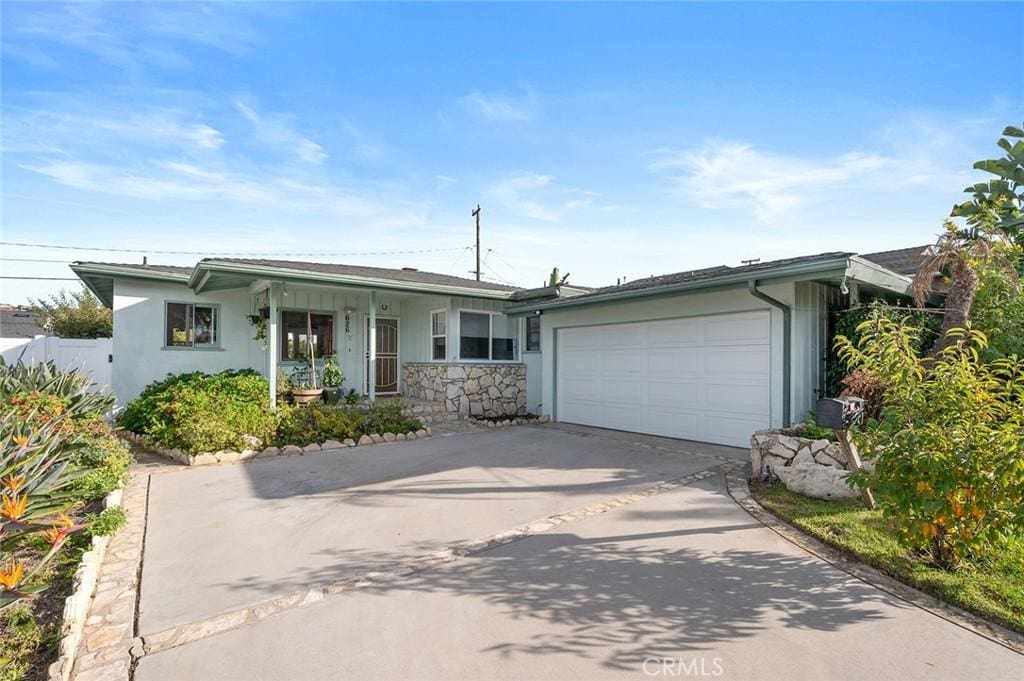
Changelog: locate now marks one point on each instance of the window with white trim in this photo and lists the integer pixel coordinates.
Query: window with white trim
(439, 335)
(487, 336)
(191, 325)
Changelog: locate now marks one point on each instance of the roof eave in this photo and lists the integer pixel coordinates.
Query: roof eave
(803, 269)
(92, 274)
(202, 274)
(865, 271)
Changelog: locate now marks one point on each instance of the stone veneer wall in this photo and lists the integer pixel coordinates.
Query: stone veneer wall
(470, 389)
(815, 468)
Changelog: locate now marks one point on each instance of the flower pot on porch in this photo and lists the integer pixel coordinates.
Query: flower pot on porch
(307, 395)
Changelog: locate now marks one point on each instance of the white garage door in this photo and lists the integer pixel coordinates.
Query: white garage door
(699, 378)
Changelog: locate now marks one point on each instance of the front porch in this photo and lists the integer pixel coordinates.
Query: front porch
(396, 342)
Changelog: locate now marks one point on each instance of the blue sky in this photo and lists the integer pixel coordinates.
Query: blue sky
(609, 140)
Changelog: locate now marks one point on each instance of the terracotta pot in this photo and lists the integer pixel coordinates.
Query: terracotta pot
(307, 395)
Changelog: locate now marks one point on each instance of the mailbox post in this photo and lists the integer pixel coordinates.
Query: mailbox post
(839, 414)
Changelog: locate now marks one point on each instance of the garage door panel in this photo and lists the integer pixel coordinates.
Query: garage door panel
(675, 332)
(673, 423)
(673, 363)
(625, 335)
(726, 361)
(618, 390)
(622, 362)
(699, 378)
(673, 393)
(585, 337)
(581, 362)
(737, 328)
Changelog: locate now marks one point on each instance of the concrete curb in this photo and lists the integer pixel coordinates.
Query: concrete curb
(739, 490)
(76, 606)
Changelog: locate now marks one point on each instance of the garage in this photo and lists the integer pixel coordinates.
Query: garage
(696, 378)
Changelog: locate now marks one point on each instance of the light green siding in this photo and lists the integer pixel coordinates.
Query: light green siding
(726, 300)
(810, 343)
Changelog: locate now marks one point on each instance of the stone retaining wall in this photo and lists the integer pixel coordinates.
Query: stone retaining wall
(815, 468)
(469, 389)
(76, 606)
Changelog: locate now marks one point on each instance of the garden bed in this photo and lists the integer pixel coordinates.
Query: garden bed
(991, 585)
(505, 421)
(231, 456)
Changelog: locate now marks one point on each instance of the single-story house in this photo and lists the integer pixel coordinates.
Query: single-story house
(708, 355)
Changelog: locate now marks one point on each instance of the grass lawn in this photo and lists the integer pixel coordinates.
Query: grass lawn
(992, 585)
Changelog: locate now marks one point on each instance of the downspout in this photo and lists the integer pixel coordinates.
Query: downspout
(787, 342)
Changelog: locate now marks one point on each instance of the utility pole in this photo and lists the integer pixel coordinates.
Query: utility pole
(476, 214)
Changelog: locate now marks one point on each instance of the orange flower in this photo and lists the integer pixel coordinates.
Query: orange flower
(11, 575)
(14, 482)
(21, 440)
(13, 506)
(929, 530)
(60, 529)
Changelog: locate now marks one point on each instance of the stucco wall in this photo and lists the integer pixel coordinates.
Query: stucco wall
(139, 353)
(737, 299)
(140, 358)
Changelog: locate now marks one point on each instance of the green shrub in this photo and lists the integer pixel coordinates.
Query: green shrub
(811, 430)
(320, 422)
(846, 324)
(199, 412)
(949, 446)
(998, 311)
(104, 460)
(109, 521)
(388, 416)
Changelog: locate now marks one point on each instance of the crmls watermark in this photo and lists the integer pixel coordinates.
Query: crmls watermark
(693, 667)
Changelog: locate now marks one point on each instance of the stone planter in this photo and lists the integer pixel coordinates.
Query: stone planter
(815, 468)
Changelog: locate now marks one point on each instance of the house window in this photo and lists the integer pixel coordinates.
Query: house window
(438, 335)
(296, 328)
(483, 335)
(189, 325)
(533, 334)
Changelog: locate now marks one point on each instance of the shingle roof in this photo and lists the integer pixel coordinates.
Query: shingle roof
(19, 324)
(900, 260)
(409, 275)
(169, 269)
(705, 274)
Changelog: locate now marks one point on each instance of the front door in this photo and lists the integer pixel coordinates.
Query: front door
(386, 380)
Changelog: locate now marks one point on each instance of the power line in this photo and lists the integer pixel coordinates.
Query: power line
(44, 278)
(229, 253)
(62, 262)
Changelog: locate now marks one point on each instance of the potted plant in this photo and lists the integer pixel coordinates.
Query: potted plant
(333, 376)
(306, 389)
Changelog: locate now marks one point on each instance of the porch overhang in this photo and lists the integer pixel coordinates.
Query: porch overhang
(216, 276)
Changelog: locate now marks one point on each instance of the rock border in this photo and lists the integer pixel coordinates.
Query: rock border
(738, 488)
(76, 606)
(230, 456)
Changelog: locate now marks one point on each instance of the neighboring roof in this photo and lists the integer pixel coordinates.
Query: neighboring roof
(19, 323)
(901, 260)
(407, 274)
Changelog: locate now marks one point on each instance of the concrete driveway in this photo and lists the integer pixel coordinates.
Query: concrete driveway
(634, 578)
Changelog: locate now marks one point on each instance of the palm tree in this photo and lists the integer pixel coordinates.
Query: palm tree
(955, 260)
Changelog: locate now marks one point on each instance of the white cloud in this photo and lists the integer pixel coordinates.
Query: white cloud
(276, 130)
(517, 193)
(502, 108)
(731, 174)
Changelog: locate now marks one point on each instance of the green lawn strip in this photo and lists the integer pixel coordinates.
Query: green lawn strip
(991, 586)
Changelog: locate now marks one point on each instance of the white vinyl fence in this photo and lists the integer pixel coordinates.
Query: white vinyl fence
(90, 356)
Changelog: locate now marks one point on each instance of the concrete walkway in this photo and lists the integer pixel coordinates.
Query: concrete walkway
(670, 584)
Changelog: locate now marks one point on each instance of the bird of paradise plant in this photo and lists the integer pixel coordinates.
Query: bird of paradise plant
(34, 495)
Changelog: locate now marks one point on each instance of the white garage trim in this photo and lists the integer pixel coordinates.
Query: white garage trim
(704, 378)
